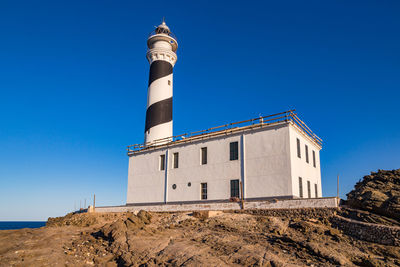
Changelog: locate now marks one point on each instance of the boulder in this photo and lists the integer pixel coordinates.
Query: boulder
(378, 192)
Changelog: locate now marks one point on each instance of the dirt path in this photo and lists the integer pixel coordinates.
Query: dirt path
(36, 247)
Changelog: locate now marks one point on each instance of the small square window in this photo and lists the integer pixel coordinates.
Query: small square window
(176, 160)
(298, 148)
(234, 188)
(316, 190)
(313, 159)
(203, 155)
(307, 160)
(300, 187)
(234, 151)
(203, 190)
(162, 162)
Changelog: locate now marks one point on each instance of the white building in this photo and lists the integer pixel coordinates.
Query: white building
(276, 156)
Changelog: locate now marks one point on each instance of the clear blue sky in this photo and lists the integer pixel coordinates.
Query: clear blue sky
(73, 85)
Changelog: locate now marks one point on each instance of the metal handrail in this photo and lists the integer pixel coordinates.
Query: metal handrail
(170, 34)
(286, 116)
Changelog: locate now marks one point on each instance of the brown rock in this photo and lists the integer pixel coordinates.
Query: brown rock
(378, 192)
(145, 216)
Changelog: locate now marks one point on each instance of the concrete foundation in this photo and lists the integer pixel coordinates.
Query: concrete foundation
(327, 202)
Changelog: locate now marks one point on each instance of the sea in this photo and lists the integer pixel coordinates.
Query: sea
(10, 225)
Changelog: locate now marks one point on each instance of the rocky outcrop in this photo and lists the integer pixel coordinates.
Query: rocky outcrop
(82, 219)
(378, 192)
(72, 219)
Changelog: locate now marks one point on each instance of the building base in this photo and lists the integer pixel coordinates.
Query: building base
(326, 202)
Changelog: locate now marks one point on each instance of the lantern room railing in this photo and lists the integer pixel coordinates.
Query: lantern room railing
(170, 34)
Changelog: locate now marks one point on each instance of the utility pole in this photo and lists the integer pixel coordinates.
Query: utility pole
(337, 186)
(241, 195)
(337, 193)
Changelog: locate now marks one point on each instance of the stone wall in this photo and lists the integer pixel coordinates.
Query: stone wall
(302, 213)
(251, 205)
(377, 233)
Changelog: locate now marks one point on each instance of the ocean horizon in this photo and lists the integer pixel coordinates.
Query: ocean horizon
(14, 225)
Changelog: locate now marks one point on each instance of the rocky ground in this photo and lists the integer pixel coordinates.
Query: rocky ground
(250, 238)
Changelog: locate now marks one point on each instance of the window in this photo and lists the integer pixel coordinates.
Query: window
(203, 190)
(309, 189)
(203, 155)
(233, 151)
(169, 82)
(316, 190)
(298, 148)
(313, 158)
(176, 160)
(300, 186)
(234, 188)
(162, 162)
(307, 160)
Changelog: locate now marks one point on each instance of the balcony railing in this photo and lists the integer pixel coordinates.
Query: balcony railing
(170, 34)
(262, 121)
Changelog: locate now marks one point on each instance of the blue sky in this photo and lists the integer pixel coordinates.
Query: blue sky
(73, 85)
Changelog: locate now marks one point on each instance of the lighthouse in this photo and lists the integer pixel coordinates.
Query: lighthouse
(161, 54)
(255, 160)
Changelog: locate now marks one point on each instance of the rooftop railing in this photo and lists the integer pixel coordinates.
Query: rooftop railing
(262, 121)
(170, 34)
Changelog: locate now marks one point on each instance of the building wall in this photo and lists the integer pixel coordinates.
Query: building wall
(265, 166)
(299, 166)
(217, 173)
(267, 161)
(145, 181)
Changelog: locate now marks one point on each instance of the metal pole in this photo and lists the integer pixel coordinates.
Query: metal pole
(337, 193)
(241, 194)
(337, 186)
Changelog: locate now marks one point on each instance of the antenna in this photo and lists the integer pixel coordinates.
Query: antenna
(337, 193)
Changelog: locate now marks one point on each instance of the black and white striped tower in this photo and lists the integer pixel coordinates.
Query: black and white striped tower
(161, 55)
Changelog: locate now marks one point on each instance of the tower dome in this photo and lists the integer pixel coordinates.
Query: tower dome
(162, 33)
(163, 28)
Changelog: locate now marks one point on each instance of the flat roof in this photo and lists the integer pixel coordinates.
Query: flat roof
(263, 121)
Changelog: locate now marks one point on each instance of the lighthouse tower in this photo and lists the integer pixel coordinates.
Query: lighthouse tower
(161, 55)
